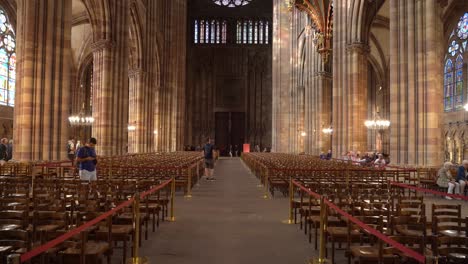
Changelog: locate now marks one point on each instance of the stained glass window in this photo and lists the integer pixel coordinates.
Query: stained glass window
(459, 83)
(239, 32)
(232, 3)
(207, 32)
(7, 61)
(202, 31)
(252, 32)
(448, 81)
(260, 32)
(224, 32)
(218, 33)
(196, 32)
(267, 32)
(463, 27)
(455, 93)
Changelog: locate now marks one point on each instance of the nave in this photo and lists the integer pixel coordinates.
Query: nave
(228, 221)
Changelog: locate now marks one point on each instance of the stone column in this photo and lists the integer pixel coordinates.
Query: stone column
(356, 113)
(139, 112)
(281, 77)
(110, 84)
(318, 104)
(171, 95)
(416, 83)
(43, 79)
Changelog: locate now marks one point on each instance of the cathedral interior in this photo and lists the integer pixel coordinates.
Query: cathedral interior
(271, 73)
(233, 131)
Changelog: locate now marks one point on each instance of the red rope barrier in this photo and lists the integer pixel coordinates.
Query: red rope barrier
(402, 185)
(308, 191)
(407, 251)
(40, 249)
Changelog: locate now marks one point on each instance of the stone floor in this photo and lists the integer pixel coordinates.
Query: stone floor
(227, 221)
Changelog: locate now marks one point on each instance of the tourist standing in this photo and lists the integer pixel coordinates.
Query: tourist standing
(86, 157)
(71, 148)
(3, 151)
(329, 155)
(461, 176)
(10, 150)
(208, 154)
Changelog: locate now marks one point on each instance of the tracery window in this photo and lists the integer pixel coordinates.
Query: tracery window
(252, 32)
(455, 94)
(7, 61)
(232, 3)
(209, 31)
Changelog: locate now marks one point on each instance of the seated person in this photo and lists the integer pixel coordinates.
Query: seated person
(322, 155)
(445, 180)
(380, 161)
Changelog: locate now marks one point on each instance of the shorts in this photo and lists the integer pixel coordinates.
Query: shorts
(209, 164)
(88, 175)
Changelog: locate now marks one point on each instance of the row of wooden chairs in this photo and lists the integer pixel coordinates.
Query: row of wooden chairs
(37, 208)
(439, 230)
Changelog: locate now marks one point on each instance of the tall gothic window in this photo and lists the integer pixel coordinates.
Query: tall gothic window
(252, 32)
(7, 61)
(455, 95)
(208, 31)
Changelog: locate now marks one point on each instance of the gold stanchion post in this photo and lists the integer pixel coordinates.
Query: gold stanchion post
(323, 229)
(291, 200)
(265, 194)
(136, 259)
(173, 189)
(290, 220)
(189, 183)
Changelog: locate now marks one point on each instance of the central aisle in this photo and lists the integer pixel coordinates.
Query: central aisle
(227, 221)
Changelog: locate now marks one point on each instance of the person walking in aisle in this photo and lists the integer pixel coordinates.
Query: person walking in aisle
(208, 154)
(86, 157)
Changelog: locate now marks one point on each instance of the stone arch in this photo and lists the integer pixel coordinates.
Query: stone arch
(136, 31)
(362, 14)
(100, 18)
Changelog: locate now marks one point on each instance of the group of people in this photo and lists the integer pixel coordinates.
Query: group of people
(369, 159)
(454, 185)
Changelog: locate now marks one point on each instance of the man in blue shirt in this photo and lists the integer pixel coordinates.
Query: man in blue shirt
(209, 159)
(86, 156)
(461, 176)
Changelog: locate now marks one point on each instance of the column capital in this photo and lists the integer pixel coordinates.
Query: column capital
(101, 44)
(358, 47)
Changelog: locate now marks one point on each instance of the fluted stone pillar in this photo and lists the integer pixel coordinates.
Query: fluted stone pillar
(416, 83)
(139, 112)
(171, 94)
(282, 93)
(356, 112)
(110, 84)
(318, 104)
(43, 79)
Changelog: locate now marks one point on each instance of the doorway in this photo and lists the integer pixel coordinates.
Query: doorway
(230, 130)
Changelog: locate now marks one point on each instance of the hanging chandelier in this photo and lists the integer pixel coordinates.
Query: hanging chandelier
(232, 3)
(328, 130)
(81, 120)
(377, 123)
